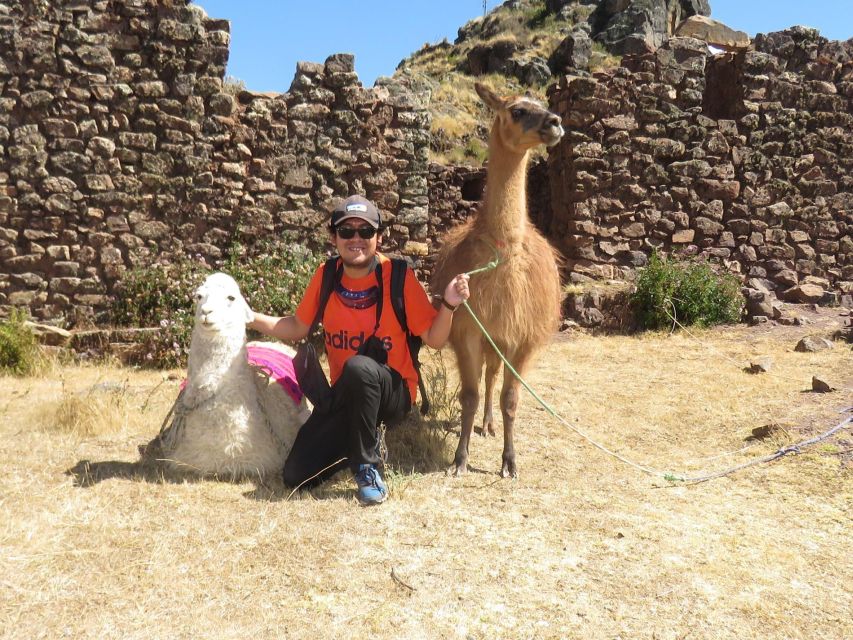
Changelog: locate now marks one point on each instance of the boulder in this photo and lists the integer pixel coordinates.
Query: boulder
(760, 365)
(713, 32)
(48, 334)
(489, 58)
(533, 71)
(804, 293)
(813, 344)
(572, 53)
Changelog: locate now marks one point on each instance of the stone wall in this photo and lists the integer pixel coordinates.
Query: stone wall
(119, 145)
(744, 158)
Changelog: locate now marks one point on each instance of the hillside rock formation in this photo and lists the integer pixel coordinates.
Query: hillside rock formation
(640, 26)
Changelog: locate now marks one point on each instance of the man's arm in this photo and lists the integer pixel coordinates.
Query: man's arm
(287, 328)
(455, 294)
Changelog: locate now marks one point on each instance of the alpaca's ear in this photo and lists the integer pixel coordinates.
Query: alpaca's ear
(248, 315)
(493, 100)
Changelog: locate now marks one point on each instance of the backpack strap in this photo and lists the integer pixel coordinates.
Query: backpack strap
(381, 297)
(399, 269)
(332, 272)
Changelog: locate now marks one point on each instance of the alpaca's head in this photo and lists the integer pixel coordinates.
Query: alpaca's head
(220, 307)
(521, 122)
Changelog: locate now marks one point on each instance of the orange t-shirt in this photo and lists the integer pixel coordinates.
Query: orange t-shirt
(345, 327)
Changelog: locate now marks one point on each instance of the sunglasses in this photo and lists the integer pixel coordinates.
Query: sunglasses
(347, 233)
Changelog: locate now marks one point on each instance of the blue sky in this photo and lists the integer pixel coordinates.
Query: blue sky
(268, 37)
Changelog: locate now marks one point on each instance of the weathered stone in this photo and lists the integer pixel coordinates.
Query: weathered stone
(221, 104)
(760, 365)
(820, 385)
(98, 182)
(96, 56)
(153, 89)
(713, 32)
(812, 344)
(573, 53)
(804, 293)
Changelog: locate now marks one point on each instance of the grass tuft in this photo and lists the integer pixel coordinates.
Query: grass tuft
(20, 353)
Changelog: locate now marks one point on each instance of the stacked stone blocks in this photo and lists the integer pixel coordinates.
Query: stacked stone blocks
(121, 145)
(742, 158)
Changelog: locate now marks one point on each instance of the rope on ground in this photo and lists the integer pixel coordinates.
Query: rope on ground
(669, 476)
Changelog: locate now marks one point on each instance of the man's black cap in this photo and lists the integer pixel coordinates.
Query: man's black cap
(356, 207)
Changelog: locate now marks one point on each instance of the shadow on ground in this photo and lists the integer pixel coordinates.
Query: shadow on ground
(87, 474)
(412, 449)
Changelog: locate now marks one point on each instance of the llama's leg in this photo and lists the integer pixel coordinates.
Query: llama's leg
(469, 358)
(509, 405)
(493, 366)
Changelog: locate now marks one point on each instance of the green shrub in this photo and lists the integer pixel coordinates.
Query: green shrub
(271, 277)
(692, 292)
(20, 354)
(274, 277)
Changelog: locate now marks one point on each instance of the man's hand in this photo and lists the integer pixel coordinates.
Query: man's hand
(457, 290)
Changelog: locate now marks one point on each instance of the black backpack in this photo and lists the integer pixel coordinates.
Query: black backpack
(332, 273)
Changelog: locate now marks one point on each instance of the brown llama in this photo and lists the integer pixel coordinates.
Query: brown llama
(519, 301)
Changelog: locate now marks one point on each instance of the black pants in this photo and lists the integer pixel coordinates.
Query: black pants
(366, 394)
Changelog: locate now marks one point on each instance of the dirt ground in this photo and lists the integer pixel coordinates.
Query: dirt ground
(579, 546)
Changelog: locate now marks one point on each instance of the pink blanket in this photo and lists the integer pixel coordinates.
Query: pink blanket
(279, 367)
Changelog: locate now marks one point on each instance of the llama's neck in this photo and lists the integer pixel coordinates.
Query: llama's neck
(214, 360)
(504, 212)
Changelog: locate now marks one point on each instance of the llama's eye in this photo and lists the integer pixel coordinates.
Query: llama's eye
(231, 298)
(517, 113)
(198, 296)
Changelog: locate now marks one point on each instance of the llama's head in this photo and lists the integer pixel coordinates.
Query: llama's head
(521, 122)
(220, 307)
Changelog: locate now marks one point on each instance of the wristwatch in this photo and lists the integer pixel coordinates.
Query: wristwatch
(448, 305)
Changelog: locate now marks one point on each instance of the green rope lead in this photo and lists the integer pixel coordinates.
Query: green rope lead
(667, 476)
(491, 265)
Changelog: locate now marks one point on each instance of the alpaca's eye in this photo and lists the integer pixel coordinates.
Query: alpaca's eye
(231, 298)
(518, 113)
(198, 296)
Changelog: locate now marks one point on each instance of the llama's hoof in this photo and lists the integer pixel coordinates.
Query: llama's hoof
(509, 470)
(458, 469)
(487, 430)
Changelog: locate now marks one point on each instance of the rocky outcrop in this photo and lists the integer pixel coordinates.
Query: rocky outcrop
(641, 26)
(713, 32)
(572, 54)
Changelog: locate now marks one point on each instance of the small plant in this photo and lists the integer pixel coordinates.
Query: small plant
(20, 354)
(443, 395)
(274, 277)
(103, 408)
(691, 292)
(161, 296)
(233, 86)
(601, 59)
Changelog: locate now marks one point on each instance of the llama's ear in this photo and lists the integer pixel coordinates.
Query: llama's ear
(488, 96)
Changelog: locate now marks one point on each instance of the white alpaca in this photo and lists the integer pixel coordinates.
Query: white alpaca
(231, 418)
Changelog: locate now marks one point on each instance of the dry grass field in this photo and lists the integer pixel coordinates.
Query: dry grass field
(579, 546)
